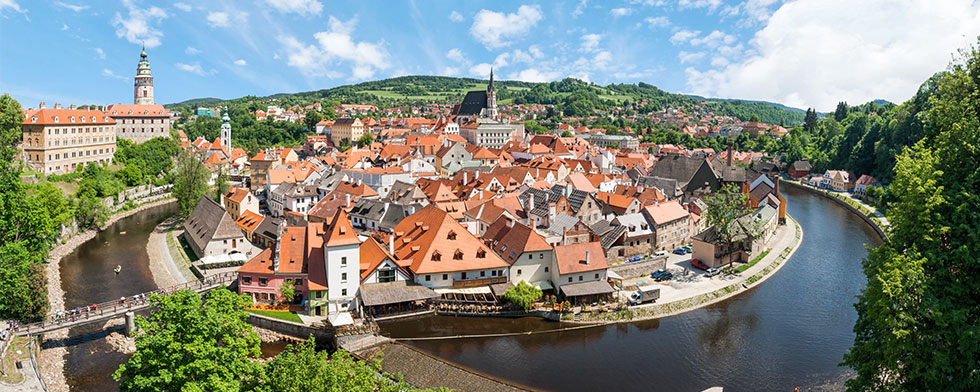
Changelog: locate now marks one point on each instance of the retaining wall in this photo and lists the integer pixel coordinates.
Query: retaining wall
(325, 337)
(639, 268)
(859, 213)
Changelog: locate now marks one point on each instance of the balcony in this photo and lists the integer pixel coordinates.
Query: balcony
(462, 284)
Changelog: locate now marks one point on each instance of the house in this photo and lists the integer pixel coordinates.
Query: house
(694, 176)
(292, 197)
(800, 169)
(640, 238)
(263, 275)
(841, 180)
(670, 223)
(528, 253)
(239, 200)
(374, 214)
(386, 285)
(210, 231)
(862, 184)
(443, 254)
(711, 248)
(579, 272)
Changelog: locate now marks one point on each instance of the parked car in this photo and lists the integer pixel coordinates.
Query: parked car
(688, 248)
(680, 251)
(661, 275)
(660, 253)
(712, 272)
(698, 264)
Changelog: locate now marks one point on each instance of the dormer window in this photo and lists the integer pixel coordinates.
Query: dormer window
(436, 256)
(481, 254)
(451, 236)
(33, 118)
(458, 255)
(72, 118)
(55, 118)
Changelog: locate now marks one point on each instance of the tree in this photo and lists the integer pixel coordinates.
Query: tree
(287, 290)
(311, 119)
(220, 185)
(365, 140)
(190, 181)
(523, 295)
(567, 134)
(187, 344)
(725, 208)
(344, 144)
(810, 120)
(917, 327)
(754, 118)
(841, 113)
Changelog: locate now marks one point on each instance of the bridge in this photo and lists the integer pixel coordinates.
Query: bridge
(116, 308)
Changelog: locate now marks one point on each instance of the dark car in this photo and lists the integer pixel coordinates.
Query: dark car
(680, 251)
(698, 264)
(661, 275)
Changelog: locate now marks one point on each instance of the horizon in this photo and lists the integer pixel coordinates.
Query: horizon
(798, 53)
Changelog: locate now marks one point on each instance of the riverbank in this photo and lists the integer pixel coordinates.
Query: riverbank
(868, 214)
(51, 361)
(685, 299)
(167, 271)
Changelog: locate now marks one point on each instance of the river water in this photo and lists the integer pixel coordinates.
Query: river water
(792, 330)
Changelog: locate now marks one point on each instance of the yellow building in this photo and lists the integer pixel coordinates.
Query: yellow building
(56, 141)
(346, 128)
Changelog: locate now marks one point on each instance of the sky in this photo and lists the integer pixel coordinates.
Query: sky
(802, 53)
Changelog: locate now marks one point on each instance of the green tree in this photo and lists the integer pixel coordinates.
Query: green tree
(312, 117)
(220, 185)
(841, 113)
(523, 295)
(725, 207)
(365, 140)
(917, 326)
(187, 344)
(344, 144)
(754, 118)
(287, 290)
(567, 134)
(810, 121)
(190, 182)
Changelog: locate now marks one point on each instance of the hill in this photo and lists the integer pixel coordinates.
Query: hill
(572, 96)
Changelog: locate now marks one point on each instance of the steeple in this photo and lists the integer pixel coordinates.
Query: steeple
(226, 133)
(143, 86)
(491, 110)
(490, 87)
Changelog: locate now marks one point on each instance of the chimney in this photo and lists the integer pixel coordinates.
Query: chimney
(551, 212)
(72, 106)
(42, 106)
(587, 258)
(348, 199)
(464, 178)
(57, 105)
(564, 231)
(391, 243)
(530, 204)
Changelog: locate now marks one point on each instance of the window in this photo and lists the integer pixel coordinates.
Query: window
(246, 280)
(428, 277)
(263, 281)
(343, 260)
(297, 282)
(458, 255)
(569, 279)
(451, 236)
(483, 273)
(480, 254)
(445, 276)
(580, 278)
(343, 277)
(597, 276)
(436, 256)
(343, 292)
(518, 272)
(545, 269)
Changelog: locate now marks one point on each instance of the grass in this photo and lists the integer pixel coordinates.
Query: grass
(11, 374)
(176, 250)
(744, 267)
(287, 316)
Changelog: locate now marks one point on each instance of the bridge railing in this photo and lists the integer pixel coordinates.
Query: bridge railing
(118, 306)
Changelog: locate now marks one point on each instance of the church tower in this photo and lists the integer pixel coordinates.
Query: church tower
(491, 98)
(226, 132)
(143, 91)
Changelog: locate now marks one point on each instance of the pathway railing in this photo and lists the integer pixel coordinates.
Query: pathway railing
(117, 307)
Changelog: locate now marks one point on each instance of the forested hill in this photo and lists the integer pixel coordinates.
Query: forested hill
(572, 96)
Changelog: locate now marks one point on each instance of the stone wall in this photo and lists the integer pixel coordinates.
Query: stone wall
(324, 336)
(639, 268)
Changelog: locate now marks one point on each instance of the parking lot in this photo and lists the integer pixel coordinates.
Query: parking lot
(687, 281)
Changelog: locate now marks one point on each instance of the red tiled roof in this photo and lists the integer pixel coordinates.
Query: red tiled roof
(572, 258)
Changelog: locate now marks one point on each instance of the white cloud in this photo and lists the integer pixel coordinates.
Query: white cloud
(334, 46)
(709, 4)
(714, 39)
(108, 73)
(497, 29)
(580, 8)
(532, 53)
(302, 7)
(481, 69)
(807, 55)
(683, 36)
(457, 55)
(183, 7)
(100, 53)
(194, 69)
(650, 3)
(73, 7)
(617, 12)
(139, 27)
(455, 16)
(660, 21)
(719, 62)
(225, 19)
(192, 50)
(590, 42)
(535, 75)
(64, 27)
(240, 62)
(450, 71)
(12, 4)
(501, 60)
(689, 57)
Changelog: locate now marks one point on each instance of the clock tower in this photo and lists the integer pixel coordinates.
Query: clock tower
(143, 88)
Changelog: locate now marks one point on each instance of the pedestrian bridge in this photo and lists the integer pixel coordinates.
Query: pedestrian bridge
(116, 308)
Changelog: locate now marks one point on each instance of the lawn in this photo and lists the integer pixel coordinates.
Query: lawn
(10, 373)
(744, 267)
(287, 316)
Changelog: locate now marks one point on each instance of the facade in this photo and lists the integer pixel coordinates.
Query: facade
(620, 141)
(640, 238)
(580, 272)
(238, 200)
(530, 256)
(491, 134)
(346, 128)
(862, 184)
(57, 141)
(670, 223)
(210, 231)
(800, 169)
(143, 120)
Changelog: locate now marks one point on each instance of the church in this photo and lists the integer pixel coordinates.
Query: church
(479, 121)
(143, 120)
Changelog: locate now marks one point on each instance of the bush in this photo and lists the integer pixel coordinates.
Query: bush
(523, 295)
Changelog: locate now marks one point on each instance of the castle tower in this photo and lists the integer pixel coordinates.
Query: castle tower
(226, 132)
(143, 89)
(491, 98)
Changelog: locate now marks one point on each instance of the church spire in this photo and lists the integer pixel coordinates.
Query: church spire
(490, 87)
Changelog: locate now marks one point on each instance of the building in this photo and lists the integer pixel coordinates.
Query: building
(694, 176)
(491, 134)
(238, 200)
(862, 184)
(57, 141)
(711, 248)
(840, 180)
(143, 120)
(800, 169)
(210, 231)
(477, 104)
(614, 141)
(346, 128)
(529, 254)
(670, 223)
(579, 272)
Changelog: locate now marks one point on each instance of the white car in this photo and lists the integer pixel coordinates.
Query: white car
(712, 272)
(660, 253)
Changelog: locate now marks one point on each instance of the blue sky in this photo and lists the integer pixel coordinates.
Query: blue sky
(801, 53)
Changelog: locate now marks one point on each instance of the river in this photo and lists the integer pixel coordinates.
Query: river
(792, 330)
